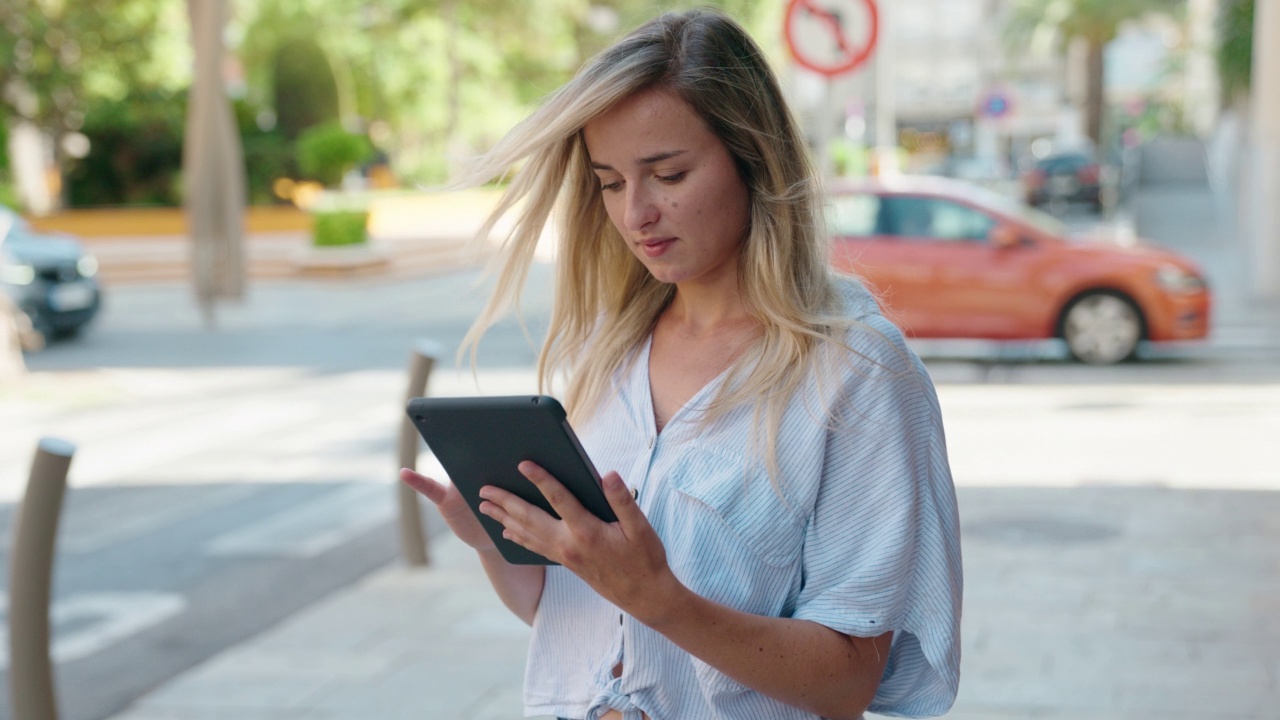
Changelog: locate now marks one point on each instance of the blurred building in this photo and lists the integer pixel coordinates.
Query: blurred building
(962, 88)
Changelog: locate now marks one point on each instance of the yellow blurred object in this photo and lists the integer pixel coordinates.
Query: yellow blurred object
(306, 193)
(283, 188)
(302, 193)
(137, 222)
(381, 178)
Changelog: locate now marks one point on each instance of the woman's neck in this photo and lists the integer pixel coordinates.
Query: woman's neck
(699, 310)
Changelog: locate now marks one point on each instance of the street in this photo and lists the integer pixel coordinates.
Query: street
(227, 478)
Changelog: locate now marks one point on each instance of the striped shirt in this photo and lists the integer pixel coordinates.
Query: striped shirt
(867, 540)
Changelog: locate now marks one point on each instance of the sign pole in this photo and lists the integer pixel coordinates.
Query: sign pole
(886, 152)
(826, 163)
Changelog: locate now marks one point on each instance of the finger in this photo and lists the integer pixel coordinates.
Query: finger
(511, 510)
(561, 500)
(434, 491)
(630, 517)
(522, 523)
(532, 542)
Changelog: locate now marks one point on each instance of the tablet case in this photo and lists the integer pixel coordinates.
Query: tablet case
(481, 440)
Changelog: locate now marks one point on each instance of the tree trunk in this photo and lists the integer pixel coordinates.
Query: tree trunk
(1095, 91)
(213, 169)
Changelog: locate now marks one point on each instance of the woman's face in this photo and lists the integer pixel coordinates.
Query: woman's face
(670, 187)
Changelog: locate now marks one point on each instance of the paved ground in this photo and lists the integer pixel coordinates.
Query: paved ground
(1122, 555)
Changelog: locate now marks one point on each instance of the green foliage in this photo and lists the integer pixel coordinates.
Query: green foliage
(53, 55)
(305, 92)
(339, 227)
(849, 158)
(135, 152)
(435, 81)
(1093, 20)
(326, 152)
(439, 80)
(268, 154)
(1235, 46)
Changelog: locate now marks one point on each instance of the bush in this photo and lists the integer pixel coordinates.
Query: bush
(339, 227)
(327, 151)
(135, 152)
(268, 155)
(305, 91)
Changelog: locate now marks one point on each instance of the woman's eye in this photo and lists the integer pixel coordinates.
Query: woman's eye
(610, 186)
(671, 179)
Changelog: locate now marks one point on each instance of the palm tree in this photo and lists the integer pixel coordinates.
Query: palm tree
(1096, 22)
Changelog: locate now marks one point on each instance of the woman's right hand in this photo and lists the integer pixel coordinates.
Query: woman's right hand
(452, 507)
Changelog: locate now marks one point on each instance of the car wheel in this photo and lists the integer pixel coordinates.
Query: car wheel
(1102, 328)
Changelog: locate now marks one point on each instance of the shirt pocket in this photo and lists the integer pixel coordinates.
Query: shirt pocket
(744, 503)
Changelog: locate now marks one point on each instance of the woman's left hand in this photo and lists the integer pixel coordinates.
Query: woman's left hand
(624, 561)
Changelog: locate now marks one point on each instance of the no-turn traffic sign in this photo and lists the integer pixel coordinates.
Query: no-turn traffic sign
(831, 37)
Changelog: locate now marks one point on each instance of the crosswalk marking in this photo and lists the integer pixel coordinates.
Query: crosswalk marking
(313, 527)
(85, 623)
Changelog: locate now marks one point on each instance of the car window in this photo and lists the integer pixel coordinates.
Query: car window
(934, 219)
(952, 221)
(1059, 164)
(853, 215)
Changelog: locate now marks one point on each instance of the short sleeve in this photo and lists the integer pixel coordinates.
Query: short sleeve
(882, 550)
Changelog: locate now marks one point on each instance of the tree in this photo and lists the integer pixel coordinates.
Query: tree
(1096, 22)
(55, 55)
(433, 81)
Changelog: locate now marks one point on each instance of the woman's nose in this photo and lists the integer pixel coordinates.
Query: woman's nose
(641, 210)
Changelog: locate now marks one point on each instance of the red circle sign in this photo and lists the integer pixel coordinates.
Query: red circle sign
(831, 37)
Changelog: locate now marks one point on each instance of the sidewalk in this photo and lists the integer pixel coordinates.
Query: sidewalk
(1085, 602)
(403, 643)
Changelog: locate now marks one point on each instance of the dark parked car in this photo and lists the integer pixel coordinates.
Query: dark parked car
(1069, 177)
(49, 277)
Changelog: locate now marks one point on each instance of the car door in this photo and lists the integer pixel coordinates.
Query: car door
(978, 290)
(895, 270)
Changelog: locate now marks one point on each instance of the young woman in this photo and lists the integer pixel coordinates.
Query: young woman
(787, 543)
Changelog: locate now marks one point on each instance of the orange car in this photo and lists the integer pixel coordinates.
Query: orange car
(951, 260)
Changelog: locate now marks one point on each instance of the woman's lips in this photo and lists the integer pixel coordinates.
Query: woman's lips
(654, 248)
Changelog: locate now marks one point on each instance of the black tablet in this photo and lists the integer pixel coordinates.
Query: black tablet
(481, 440)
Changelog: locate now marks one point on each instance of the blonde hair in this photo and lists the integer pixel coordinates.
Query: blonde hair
(606, 302)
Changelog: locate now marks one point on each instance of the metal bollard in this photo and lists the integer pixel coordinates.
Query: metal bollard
(31, 688)
(413, 540)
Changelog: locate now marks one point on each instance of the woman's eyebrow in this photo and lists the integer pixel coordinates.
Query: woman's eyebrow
(644, 160)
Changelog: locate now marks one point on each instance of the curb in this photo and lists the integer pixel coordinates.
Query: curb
(281, 256)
